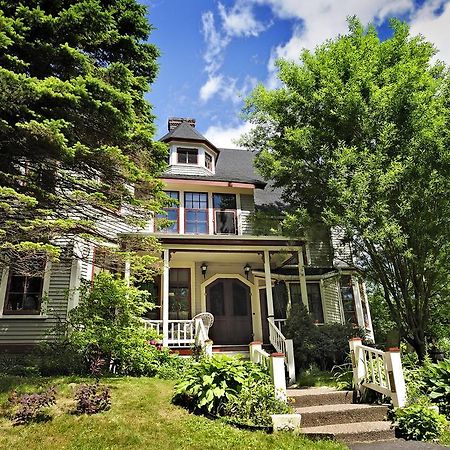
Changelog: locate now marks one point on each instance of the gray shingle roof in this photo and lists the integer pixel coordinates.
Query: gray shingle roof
(184, 132)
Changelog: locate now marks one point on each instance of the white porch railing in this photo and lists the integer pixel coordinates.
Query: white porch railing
(181, 332)
(279, 323)
(377, 370)
(275, 364)
(283, 345)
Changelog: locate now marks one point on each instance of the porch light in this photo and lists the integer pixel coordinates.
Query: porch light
(247, 269)
(204, 268)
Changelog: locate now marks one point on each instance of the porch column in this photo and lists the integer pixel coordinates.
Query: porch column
(165, 298)
(302, 277)
(268, 278)
(369, 316)
(358, 302)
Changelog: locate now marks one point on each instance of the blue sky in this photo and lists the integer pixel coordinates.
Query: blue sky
(215, 52)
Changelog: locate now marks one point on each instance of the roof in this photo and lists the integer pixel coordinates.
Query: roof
(185, 132)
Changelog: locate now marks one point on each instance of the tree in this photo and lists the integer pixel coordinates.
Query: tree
(75, 129)
(358, 136)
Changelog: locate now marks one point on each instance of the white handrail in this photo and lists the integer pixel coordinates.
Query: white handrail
(377, 370)
(283, 345)
(274, 363)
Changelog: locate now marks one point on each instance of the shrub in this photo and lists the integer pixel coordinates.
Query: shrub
(419, 422)
(92, 399)
(437, 383)
(212, 382)
(174, 368)
(325, 345)
(31, 407)
(107, 325)
(255, 403)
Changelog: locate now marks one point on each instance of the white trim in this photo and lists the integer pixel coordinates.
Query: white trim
(239, 214)
(210, 214)
(3, 287)
(165, 296)
(24, 316)
(181, 212)
(302, 279)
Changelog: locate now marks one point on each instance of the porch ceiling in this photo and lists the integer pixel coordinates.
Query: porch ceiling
(251, 258)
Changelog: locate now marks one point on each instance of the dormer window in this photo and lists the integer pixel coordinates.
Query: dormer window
(208, 161)
(187, 155)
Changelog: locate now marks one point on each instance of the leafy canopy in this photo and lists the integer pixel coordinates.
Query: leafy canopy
(358, 136)
(75, 129)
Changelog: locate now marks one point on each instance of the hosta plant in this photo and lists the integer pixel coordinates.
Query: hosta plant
(211, 383)
(438, 385)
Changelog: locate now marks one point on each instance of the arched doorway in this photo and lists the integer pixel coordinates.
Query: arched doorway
(228, 299)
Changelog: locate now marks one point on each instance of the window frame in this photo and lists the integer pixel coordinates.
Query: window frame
(194, 209)
(169, 209)
(189, 287)
(187, 151)
(209, 161)
(42, 314)
(225, 210)
(297, 283)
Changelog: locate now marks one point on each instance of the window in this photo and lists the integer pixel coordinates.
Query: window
(208, 161)
(179, 294)
(196, 212)
(187, 155)
(348, 299)
(172, 214)
(154, 288)
(314, 299)
(225, 217)
(23, 294)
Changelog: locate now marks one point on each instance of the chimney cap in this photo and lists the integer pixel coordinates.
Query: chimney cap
(173, 122)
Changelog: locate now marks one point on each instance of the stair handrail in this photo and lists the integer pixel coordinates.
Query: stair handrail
(378, 370)
(283, 345)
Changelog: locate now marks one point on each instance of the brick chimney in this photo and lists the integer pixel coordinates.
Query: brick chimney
(173, 122)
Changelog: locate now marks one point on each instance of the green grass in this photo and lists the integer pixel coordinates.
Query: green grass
(141, 417)
(445, 438)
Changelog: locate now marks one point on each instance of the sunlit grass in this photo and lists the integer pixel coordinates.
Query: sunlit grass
(141, 417)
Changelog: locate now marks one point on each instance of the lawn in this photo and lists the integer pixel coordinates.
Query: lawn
(141, 417)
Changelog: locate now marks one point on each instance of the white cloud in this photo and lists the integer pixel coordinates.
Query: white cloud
(239, 20)
(226, 136)
(434, 27)
(211, 87)
(216, 42)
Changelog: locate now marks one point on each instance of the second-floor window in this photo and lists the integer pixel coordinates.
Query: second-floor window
(208, 161)
(225, 218)
(172, 214)
(187, 155)
(196, 213)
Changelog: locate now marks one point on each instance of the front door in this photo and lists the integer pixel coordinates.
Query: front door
(228, 299)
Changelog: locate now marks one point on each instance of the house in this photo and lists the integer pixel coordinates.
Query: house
(215, 259)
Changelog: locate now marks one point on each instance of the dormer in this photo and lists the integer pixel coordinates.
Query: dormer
(189, 151)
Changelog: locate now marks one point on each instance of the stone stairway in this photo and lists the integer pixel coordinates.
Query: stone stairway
(327, 413)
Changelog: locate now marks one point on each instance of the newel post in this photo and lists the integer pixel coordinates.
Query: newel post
(395, 375)
(255, 345)
(278, 376)
(357, 356)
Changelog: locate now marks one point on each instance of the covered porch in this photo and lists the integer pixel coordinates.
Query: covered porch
(224, 276)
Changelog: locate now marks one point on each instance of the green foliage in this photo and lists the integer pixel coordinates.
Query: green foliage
(255, 403)
(357, 137)
(213, 382)
(107, 324)
(75, 128)
(437, 385)
(325, 345)
(419, 422)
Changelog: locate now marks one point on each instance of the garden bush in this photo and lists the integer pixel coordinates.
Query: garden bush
(437, 385)
(255, 403)
(107, 326)
(26, 408)
(325, 345)
(419, 422)
(92, 399)
(212, 382)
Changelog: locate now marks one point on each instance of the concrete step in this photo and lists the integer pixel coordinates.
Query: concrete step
(344, 413)
(318, 396)
(352, 432)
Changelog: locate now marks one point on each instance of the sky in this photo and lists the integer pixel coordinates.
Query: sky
(213, 53)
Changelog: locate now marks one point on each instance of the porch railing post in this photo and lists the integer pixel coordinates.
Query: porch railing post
(278, 376)
(290, 361)
(255, 345)
(165, 298)
(357, 356)
(268, 279)
(396, 379)
(302, 279)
